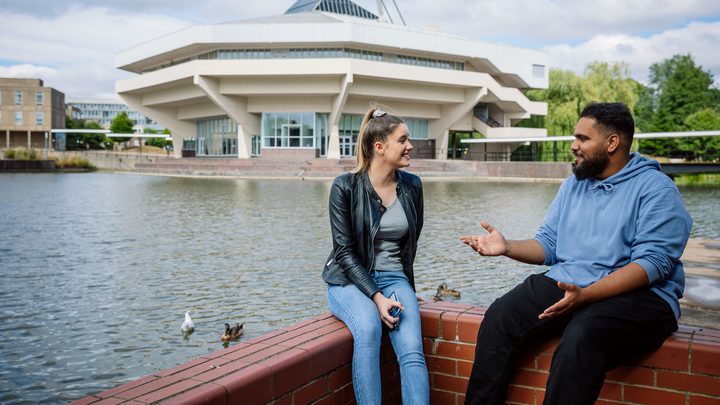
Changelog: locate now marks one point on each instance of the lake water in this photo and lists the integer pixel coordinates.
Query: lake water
(98, 269)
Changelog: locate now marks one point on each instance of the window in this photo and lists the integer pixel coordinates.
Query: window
(39, 118)
(538, 70)
(39, 98)
(288, 130)
(216, 137)
(349, 128)
(418, 127)
(18, 97)
(18, 118)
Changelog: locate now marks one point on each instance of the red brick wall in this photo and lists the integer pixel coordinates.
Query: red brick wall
(309, 362)
(289, 153)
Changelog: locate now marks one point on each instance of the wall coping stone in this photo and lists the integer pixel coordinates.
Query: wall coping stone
(309, 362)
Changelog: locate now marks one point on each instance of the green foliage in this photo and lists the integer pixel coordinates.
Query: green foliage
(122, 124)
(75, 162)
(564, 97)
(76, 141)
(644, 108)
(569, 93)
(708, 179)
(706, 119)
(609, 83)
(680, 97)
(708, 147)
(682, 88)
(20, 154)
(678, 90)
(159, 142)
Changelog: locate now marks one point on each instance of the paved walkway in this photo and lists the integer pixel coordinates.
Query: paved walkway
(701, 303)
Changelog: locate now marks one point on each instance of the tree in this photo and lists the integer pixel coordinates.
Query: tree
(122, 124)
(158, 142)
(706, 147)
(682, 89)
(569, 93)
(604, 82)
(678, 88)
(564, 97)
(644, 108)
(88, 140)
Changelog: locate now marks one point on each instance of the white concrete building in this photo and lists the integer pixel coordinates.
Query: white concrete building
(296, 84)
(104, 111)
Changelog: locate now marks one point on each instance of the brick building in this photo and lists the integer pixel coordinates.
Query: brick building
(28, 111)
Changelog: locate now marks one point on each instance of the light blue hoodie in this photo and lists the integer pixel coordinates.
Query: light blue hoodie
(595, 227)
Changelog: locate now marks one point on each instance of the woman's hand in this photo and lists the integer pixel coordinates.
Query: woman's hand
(383, 306)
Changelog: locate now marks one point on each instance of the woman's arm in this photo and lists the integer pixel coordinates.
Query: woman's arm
(344, 239)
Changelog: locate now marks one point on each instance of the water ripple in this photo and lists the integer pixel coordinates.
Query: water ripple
(103, 305)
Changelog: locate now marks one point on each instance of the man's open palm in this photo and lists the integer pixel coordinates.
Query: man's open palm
(491, 244)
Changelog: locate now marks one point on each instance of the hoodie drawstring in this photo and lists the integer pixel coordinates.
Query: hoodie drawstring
(607, 186)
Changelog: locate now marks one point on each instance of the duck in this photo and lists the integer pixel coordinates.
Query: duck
(187, 326)
(232, 333)
(444, 292)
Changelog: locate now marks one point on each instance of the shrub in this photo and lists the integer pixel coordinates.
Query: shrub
(75, 162)
(21, 154)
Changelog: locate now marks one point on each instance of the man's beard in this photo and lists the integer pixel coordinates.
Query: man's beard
(592, 165)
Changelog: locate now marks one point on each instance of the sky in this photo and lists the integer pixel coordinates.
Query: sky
(72, 44)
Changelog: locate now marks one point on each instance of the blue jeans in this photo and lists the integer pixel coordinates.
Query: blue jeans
(363, 319)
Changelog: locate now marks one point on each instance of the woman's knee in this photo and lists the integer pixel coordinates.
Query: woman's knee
(367, 330)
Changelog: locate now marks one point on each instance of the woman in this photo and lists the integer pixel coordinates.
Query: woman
(376, 215)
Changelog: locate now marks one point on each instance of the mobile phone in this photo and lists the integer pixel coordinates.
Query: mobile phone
(394, 311)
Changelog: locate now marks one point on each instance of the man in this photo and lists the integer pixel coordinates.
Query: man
(613, 237)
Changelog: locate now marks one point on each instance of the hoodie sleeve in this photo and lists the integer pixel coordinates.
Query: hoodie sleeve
(547, 234)
(663, 228)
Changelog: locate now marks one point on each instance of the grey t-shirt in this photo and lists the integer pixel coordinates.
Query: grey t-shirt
(393, 228)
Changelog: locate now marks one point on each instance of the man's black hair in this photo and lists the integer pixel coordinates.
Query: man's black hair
(612, 118)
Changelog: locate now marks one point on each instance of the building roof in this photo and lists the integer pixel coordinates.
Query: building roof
(316, 29)
(78, 100)
(346, 7)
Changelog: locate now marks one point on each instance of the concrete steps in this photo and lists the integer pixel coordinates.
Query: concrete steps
(320, 167)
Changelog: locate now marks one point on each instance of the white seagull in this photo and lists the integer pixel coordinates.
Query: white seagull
(187, 326)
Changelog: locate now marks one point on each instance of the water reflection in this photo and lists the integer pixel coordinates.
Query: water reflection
(99, 269)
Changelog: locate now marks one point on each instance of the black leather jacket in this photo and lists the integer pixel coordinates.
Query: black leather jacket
(355, 211)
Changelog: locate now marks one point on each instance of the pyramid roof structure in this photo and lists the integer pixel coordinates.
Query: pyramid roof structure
(345, 7)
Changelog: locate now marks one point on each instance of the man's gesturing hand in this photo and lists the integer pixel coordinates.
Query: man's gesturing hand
(574, 298)
(491, 244)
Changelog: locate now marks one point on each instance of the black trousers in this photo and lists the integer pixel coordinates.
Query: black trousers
(594, 340)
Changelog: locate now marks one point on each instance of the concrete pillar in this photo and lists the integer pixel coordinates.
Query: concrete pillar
(29, 139)
(244, 143)
(333, 150)
(236, 108)
(441, 144)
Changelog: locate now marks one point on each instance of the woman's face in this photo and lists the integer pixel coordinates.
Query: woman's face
(396, 149)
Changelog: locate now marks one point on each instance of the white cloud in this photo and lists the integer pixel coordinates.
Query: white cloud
(698, 39)
(72, 45)
(556, 21)
(74, 52)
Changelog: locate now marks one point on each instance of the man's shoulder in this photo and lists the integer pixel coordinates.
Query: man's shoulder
(651, 181)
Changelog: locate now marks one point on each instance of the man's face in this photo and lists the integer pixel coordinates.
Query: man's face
(590, 150)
